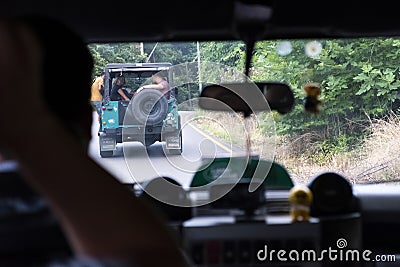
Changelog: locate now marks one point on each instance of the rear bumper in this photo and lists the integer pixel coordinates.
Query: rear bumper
(137, 133)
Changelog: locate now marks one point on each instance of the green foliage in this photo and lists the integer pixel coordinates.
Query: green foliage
(230, 54)
(175, 53)
(115, 53)
(332, 146)
(359, 79)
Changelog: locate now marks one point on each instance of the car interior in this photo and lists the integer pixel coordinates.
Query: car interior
(289, 139)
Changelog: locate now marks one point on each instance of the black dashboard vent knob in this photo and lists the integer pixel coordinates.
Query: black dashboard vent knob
(332, 195)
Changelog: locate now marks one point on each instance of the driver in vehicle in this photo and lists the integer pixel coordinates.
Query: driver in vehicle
(99, 230)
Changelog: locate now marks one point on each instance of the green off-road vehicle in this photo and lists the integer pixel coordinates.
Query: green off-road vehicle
(147, 118)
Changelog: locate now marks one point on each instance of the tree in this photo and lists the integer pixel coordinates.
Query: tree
(175, 53)
(115, 53)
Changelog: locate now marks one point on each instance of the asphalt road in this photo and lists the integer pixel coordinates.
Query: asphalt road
(133, 163)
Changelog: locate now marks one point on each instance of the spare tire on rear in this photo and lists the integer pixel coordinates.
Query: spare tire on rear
(149, 107)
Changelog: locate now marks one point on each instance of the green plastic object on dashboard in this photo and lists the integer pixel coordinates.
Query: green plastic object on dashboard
(228, 170)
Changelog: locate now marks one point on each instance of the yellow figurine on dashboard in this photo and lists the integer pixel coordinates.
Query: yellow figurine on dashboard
(300, 198)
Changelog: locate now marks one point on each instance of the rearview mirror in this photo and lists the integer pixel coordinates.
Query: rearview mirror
(279, 96)
(247, 97)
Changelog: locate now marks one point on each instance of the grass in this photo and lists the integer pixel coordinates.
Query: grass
(381, 151)
(375, 159)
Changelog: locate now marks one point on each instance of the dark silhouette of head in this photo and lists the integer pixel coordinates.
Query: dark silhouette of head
(67, 96)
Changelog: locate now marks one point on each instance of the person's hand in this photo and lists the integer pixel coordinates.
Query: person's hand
(20, 55)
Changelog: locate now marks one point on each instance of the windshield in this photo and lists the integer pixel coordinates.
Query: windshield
(352, 131)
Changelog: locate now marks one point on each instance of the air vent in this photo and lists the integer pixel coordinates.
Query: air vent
(277, 202)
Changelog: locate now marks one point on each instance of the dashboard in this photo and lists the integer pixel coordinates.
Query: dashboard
(227, 225)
